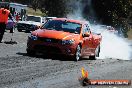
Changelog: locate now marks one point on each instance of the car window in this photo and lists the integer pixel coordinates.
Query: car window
(71, 27)
(33, 18)
(62, 26)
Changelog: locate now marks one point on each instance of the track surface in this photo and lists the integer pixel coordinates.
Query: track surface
(17, 70)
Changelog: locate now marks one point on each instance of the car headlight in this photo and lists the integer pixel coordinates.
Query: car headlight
(33, 37)
(67, 42)
(33, 26)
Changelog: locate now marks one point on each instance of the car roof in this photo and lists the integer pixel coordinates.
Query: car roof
(71, 20)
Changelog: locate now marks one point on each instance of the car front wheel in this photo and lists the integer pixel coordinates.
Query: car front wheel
(77, 55)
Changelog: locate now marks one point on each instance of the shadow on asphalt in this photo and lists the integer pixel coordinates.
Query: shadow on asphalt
(48, 56)
(23, 54)
(51, 56)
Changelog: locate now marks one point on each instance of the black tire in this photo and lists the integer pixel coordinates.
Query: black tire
(31, 53)
(92, 57)
(77, 55)
(97, 51)
(19, 30)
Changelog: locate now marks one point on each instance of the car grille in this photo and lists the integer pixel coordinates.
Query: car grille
(50, 49)
(25, 26)
(49, 40)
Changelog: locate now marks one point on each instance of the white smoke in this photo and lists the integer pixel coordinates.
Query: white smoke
(112, 46)
(76, 13)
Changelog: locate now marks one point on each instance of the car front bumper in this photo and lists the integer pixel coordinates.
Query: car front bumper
(26, 27)
(51, 48)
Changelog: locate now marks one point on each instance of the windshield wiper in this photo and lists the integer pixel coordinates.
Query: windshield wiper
(50, 28)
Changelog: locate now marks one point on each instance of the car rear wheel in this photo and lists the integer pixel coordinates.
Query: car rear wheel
(97, 51)
(77, 55)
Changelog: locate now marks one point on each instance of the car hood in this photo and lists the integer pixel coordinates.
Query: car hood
(30, 22)
(55, 34)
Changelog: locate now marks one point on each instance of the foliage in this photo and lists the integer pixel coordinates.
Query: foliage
(55, 7)
(114, 12)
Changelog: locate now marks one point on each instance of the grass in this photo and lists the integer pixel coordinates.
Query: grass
(130, 34)
(31, 11)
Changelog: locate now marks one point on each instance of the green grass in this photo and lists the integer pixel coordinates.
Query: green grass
(31, 11)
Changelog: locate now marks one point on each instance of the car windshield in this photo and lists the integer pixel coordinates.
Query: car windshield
(33, 18)
(62, 26)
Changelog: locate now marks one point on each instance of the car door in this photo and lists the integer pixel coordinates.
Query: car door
(87, 40)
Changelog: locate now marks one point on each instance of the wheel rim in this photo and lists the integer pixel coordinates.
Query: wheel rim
(97, 52)
(78, 53)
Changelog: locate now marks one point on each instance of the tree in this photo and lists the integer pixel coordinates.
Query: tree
(35, 4)
(54, 7)
(113, 12)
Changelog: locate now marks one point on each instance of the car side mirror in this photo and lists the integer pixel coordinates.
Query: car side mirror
(87, 34)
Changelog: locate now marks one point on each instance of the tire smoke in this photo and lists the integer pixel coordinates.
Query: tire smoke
(112, 45)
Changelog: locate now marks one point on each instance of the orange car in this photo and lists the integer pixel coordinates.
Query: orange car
(66, 37)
